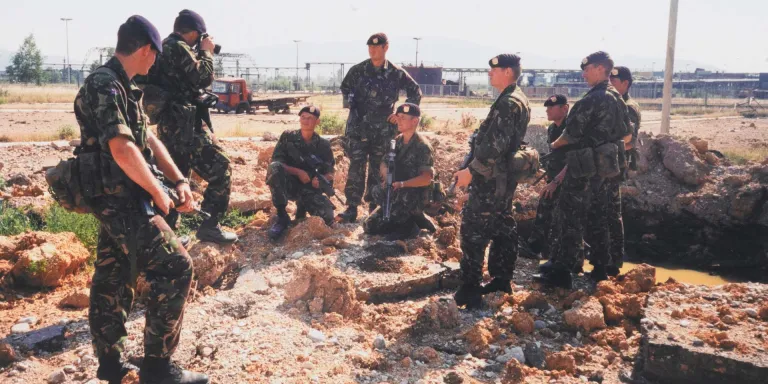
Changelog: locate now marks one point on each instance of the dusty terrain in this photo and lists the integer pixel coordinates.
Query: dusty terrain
(330, 305)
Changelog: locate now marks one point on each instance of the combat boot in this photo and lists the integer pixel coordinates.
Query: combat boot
(469, 295)
(348, 216)
(530, 249)
(211, 231)
(408, 230)
(547, 267)
(498, 285)
(112, 369)
(612, 270)
(282, 223)
(424, 222)
(557, 277)
(163, 371)
(371, 207)
(598, 273)
(301, 212)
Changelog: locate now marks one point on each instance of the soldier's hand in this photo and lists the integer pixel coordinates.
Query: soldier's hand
(303, 177)
(315, 182)
(163, 202)
(392, 118)
(549, 190)
(185, 198)
(463, 177)
(207, 44)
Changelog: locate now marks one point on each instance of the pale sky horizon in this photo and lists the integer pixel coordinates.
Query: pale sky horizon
(724, 34)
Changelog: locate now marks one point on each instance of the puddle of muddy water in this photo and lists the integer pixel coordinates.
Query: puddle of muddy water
(688, 276)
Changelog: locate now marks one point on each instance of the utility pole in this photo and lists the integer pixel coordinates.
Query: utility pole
(666, 105)
(66, 21)
(416, 63)
(297, 63)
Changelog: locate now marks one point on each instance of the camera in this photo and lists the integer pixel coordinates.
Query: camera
(216, 48)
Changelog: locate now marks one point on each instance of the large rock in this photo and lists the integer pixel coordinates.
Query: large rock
(48, 339)
(78, 299)
(213, 260)
(7, 354)
(265, 156)
(18, 179)
(586, 316)
(245, 203)
(681, 159)
(561, 361)
(44, 259)
(329, 287)
(644, 275)
(522, 322)
(747, 202)
(438, 314)
(7, 248)
(301, 235)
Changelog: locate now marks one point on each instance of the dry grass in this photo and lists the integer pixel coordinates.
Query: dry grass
(741, 156)
(31, 94)
(239, 130)
(459, 102)
(468, 120)
(702, 111)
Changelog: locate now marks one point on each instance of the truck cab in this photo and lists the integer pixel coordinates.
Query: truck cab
(233, 94)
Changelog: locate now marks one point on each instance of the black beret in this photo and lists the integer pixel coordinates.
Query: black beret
(598, 57)
(378, 39)
(409, 109)
(312, 110)
(190, 20)
(556, 99)
(622, 73)
(505, 60)
(139, 26)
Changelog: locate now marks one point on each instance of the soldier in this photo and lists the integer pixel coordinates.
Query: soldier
(116, 142)
(413, 175)
(370, 91)
(596, 119)
(487, 214)
(621, 79)
(288, 175)
(181, 73)
(540, 239)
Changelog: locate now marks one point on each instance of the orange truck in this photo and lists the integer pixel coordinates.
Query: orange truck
(235, 95)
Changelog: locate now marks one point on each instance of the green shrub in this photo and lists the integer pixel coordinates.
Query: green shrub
(13, 221)
(426, 122)
(85, 227)
(66, 132)
(331, 124)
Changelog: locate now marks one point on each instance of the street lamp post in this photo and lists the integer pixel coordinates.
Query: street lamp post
(297, 63)
(416, 63)
(66, 21)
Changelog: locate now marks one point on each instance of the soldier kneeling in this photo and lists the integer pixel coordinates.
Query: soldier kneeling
(412, 176)
(299, 154)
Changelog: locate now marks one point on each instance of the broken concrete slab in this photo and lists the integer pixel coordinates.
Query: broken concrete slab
(704, 335)
(431, 278)
(251, 281)
(48, 339)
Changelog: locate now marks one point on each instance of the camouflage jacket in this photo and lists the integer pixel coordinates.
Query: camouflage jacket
(371, 94)
(413, 158)
(633, 108)
(599, 117)
(557, 161)
(500, 134)
(180, 71)
(318, 146)
(107, 106)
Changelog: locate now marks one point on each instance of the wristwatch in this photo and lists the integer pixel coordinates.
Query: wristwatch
(402, 184)
(181, 181)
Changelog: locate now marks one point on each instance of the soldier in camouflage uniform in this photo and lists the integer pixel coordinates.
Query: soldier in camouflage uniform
(541, 235)
(413, 175)
(621, 79)
(487, 214)
(370, 90)
(117, 149)
(596, 119)
(181, 73)
(288, 176)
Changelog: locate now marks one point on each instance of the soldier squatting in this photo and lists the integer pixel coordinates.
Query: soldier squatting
(141, 185)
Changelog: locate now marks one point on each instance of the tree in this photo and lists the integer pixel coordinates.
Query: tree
(27, 63)
(104, 55)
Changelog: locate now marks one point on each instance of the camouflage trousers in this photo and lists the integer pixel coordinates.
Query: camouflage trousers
(605, 229)
(574, 210)
(129, 244)
(362, 153)
(285, 187)
(405, 203)
(485, 220)
(544, 223)
(207, 159)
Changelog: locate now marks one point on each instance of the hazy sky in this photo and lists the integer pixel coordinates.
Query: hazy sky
(729, 34)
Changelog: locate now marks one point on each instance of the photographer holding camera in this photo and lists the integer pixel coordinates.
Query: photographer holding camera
(182, 73)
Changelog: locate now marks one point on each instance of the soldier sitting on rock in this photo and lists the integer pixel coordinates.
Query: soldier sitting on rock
(413, 176)
(289, 178)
